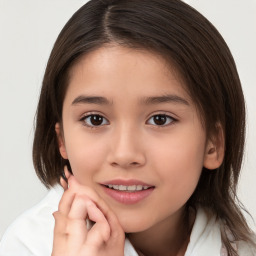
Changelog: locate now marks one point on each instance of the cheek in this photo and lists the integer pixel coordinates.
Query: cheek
(180, 161)
(179, 169)
(86, 157)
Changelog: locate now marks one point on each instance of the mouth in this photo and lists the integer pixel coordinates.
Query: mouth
(129, 189)
(127, 192)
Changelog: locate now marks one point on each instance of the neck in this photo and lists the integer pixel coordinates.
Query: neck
(168, 238)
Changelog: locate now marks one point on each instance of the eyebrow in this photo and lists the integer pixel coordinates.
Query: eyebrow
(168, 98)
(82, 99)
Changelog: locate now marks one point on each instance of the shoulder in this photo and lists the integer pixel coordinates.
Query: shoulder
(245, 249)
(207, 233)
(32, 232)
(242, 248)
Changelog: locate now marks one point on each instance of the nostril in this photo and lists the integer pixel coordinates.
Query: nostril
(114, 164)
(130, 164)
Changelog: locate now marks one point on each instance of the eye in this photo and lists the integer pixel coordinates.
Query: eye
(94, 120)
(160, 120)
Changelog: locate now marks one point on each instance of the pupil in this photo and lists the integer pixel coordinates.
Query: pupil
(160, 119)
(96, 120)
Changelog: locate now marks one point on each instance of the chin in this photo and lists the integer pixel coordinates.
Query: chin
(133, 225)
(132, 229)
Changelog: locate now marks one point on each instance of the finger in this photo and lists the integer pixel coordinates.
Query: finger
(80, 189)
(60, 223)
(77, 227)
(69, 195)
(67, 172)
(63, 183)
(60, 237)
(82, 207)
(100, 231)
(79, 207)
(116, 229)
(77, 233)
(66, 202)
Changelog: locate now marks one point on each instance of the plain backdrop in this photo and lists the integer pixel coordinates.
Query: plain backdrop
(28, 29)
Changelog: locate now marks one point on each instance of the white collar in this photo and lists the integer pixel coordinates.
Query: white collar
(205, 237)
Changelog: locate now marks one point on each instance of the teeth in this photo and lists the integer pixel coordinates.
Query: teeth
(139, 187)
(127, 188)
(115, 186)
(131, 188)
(121, 187)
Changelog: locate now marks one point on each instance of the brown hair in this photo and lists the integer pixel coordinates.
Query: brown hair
(179, 33)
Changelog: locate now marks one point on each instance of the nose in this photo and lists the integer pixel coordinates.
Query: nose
(126, 149)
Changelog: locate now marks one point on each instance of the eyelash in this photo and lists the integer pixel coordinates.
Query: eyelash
(83, 120)
(91, 126)
(170, 122)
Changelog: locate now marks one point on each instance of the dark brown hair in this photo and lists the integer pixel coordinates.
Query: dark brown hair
(188, 40)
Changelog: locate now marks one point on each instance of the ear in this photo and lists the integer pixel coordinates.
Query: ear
(61, 141)
(215, 149)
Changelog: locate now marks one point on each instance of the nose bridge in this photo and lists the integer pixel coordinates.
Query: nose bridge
(127, 150)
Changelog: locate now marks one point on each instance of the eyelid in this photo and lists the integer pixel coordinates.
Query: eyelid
(88, 114)
(165, 113)
(92, 113)
(168, 115)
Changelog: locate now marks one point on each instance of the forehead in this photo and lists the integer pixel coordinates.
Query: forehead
(112, 69)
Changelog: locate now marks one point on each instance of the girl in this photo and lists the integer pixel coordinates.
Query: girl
(141, 120)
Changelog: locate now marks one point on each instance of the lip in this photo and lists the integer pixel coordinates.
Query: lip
(126, 182)
(125, 197)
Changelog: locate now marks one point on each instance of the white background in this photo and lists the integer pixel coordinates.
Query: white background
(28, 29)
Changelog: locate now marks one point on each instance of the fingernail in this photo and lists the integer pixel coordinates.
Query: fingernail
(62, 182)
(66, 171)
(63, 175)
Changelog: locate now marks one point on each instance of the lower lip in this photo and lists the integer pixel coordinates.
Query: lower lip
(128, 197)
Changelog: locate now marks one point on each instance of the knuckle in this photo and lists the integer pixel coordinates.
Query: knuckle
(84, 200)
(82, 197)
(79, 199)
(68, 229)
(78, 209)
(57, 216)
(106, 234)
(64, 198)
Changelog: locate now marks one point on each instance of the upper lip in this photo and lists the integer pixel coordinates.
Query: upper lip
(126, 182)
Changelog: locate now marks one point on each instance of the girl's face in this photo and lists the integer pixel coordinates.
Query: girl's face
(127, 121)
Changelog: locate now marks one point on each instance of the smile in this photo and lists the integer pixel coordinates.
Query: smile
(127, 191)
(132, 188)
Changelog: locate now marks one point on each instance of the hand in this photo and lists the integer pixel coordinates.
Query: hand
(71, 235)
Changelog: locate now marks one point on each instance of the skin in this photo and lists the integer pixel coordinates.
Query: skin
(129, 144)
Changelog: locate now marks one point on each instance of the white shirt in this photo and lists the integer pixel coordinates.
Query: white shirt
(31, 234)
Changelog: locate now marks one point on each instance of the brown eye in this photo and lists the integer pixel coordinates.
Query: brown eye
(95, 120)
(160, 120)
